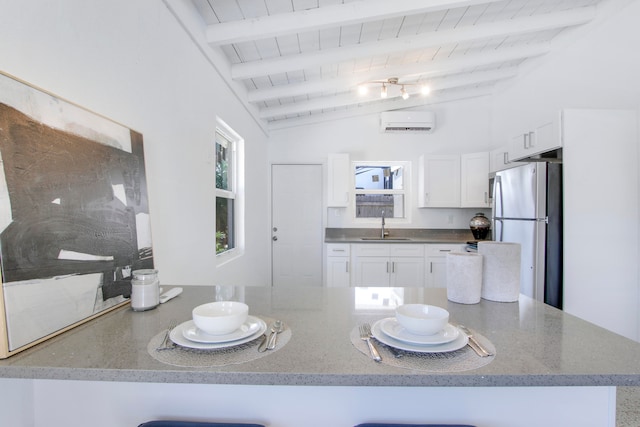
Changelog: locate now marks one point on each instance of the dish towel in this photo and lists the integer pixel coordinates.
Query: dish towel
(501, 271)
(464, 277)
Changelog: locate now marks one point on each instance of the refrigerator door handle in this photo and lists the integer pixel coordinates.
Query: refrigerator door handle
(497, 196)
(501, 229)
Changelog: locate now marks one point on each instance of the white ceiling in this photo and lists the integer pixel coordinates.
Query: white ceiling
(300, 61)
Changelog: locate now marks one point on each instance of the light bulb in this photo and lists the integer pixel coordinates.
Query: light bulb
(383, 91)
(405, 94)
(362, 90)
(425, 90)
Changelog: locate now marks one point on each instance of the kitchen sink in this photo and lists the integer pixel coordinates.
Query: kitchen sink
(390, 239)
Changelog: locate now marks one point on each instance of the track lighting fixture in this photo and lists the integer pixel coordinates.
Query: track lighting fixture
(363, 88)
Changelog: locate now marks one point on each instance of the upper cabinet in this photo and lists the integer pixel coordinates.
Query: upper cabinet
(536, 140)
(339, 177)
(474, 180)
(439, 181)
(452, 181)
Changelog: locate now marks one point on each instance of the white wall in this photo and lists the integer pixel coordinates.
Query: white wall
(132, 62)
(461, 127)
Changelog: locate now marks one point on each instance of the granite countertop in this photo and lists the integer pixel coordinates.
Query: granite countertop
(398, 235)
(536, 345)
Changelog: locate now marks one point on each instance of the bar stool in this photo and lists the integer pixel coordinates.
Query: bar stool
(169, 423)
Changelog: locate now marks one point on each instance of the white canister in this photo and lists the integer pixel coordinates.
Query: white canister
(145, 290)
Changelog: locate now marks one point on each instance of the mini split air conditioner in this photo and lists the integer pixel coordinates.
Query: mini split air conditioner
(407, 121)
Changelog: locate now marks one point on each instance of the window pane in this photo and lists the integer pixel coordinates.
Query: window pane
(372, 205)
(224, 163)
(379, 178)
(225, 238)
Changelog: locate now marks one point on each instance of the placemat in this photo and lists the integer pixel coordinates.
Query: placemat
(197, 358)
(464, 359)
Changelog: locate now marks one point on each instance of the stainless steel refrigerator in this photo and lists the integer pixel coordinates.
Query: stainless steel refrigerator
(527, 209)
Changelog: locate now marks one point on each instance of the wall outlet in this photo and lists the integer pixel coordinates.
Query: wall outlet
(450, 219)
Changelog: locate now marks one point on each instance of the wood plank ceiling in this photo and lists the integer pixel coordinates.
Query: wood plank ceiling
(301, 61)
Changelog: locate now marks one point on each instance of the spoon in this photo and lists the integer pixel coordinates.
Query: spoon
(278, 327)
(275, 328)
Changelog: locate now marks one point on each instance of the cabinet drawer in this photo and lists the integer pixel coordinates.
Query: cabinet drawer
(338, 249)
(371, 249)
(400, 250)
(442, 250)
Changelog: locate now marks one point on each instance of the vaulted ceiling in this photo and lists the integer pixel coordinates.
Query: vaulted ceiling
(294, 62)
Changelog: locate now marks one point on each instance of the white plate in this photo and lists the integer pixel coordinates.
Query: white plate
(249, 327)
(394, 329)
(454, 345)
(178, 338)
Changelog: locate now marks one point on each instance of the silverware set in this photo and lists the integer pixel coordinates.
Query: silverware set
(474, 343)
(365, 335)
(167, 344)
(269, 342)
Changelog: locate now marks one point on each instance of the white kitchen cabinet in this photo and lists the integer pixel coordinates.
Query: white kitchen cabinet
(338, 265)
(338, 179)
(388, 264)
(454, 181)
(499, 159)
(439, 181)
(538, 139)
(474, 180)
(436, 263)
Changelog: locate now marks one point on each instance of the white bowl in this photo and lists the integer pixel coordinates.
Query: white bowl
(422, 319)
(220, 317)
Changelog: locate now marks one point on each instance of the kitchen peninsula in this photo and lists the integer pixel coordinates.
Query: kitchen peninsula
(550, 368)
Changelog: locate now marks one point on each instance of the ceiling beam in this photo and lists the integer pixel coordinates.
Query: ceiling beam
(373, 108)
(353, 99)
(423, 70)
(325, 17)
(505, 28)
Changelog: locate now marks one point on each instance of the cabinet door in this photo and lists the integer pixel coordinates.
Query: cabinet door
(436, 263)
(436, 272)
(407, 271)
(439, 182)
(474, 190)
(338, 272)
(546, 137)
(371, 271)
(499, 159)
(536, 140)
(338, 179)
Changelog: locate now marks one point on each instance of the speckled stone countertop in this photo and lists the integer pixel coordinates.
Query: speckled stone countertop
(536, 345)
(398, 235)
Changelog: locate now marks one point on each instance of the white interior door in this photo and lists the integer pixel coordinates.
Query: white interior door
(296, 233)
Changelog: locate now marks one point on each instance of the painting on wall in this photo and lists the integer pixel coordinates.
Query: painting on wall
(74, 214)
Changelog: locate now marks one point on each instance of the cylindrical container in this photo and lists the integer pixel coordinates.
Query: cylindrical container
(464, 277)
(145, 290)
(500, 271)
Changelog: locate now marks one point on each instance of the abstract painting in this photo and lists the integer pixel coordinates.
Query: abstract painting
(74, 214)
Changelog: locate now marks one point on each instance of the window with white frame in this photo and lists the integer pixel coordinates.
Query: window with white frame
(227, 200)
(380, 189)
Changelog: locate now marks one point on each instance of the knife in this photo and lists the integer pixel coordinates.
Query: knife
(473, 342)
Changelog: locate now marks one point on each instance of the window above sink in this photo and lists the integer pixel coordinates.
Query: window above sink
(380, 189)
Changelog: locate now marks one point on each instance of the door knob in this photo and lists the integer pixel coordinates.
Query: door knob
(274, 238)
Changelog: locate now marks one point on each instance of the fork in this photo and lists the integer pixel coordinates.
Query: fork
(165, 341)
(365, 335)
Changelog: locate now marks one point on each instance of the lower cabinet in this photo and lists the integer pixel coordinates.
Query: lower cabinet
(338, 265)
(388, 265)
(436, 263)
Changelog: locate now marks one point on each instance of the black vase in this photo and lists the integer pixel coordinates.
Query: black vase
(480, 226)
